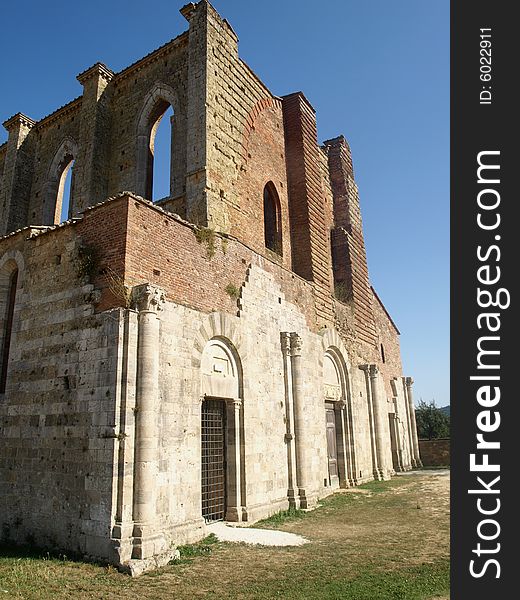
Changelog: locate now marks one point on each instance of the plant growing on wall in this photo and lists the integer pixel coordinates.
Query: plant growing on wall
(206, 236)
(116, 284)
(233, 291)
(342, 292)
(87, 262)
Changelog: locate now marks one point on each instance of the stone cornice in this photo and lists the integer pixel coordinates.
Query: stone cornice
(187, 10)
(59, 113)
(99, 70)
(152, 56)
(18, 119)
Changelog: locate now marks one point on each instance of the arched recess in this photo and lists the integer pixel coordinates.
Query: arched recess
(272, 219)
(222, 426)
(54, 186)
(156, 103)
(339, 417)
(11, 275)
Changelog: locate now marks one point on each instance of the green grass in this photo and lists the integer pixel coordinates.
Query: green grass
(203, 548)
(363, 546)
(281, 517)
(414, 583)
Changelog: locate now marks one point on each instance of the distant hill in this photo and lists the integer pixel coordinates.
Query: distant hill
(445, 410)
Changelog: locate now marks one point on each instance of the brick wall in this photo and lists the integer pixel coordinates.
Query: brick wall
(387, 344)
(435, 453)
(310, 235)
(348, 245)
(196, 273)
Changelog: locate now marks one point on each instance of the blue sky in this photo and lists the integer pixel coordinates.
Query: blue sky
(376, 71)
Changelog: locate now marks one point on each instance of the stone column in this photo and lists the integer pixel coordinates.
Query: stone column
(234, 498)
(409, 439)
(299, 419)
(149, 300)
(344, 468)
(395, 439)
(379, 415)
(285, 339)
(371, 424)
(416, 458)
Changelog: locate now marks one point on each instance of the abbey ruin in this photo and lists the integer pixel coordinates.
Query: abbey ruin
(217, 354)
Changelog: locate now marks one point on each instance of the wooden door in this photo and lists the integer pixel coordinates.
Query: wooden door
(332, 451)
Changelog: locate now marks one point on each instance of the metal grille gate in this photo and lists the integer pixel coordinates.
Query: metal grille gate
(213, 428)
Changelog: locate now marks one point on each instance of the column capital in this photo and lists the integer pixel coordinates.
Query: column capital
(371, 369)
(285, 341)
(408, 381)
(237, 403)
(148, 298)
(296, 344)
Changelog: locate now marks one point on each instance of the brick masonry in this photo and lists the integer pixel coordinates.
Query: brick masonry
(435, 453)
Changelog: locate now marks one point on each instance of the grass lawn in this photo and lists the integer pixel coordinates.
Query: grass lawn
(387, 541)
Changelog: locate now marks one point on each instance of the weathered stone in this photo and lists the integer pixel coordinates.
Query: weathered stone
(118, 327)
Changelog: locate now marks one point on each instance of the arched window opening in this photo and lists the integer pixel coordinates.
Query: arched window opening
(7, 305)
(160, 163)
(58, 191)
(272, 220)
(160, 157)
(65, 187)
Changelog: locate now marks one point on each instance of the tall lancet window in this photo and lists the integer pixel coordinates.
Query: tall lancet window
(7, 306)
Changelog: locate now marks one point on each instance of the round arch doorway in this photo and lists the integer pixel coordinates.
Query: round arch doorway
(221, 427)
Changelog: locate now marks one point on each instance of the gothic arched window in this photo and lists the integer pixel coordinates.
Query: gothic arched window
(7, 303)
(272, 219)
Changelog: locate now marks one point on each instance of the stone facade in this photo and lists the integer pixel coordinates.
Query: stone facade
(247, 286)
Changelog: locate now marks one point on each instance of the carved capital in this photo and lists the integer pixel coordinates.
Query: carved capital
(237, 403)
(408, 381)
(148, 298)
(285, 341)
(296, 344)
(373, 370)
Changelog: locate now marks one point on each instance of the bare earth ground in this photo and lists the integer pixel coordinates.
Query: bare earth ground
(390, 541)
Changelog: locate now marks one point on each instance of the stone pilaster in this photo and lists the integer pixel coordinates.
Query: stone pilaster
(376, 414)
(416, 458)
(285, 339)
(299, 420)
(15, 182)
(91, 168)
(148, 300)
(234, 498)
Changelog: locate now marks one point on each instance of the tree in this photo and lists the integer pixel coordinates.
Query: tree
(432, 423)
